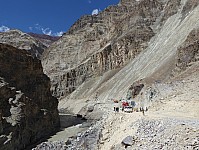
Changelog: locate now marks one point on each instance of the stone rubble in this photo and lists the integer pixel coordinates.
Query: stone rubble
(87, 140)
(51, 145)
(167, 134)
(151, 134)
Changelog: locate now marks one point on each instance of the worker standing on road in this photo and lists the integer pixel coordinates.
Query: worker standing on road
(96, 96)
(143, 111)
(116, 106)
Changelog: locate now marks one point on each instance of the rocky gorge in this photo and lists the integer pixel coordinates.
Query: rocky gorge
(151, 42)
(143, 50)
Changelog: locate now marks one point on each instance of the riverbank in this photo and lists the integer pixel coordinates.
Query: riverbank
(70, 126)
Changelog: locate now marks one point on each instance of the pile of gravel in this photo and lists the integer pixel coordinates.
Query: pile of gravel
(57, 145)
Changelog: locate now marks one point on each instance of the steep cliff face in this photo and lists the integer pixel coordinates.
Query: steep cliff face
(22, 40)
(108, 41)
(28, 112)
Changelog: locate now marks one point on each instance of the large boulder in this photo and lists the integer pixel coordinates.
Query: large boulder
(128, 141)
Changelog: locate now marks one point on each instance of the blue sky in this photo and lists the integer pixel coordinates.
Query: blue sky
(46, 16)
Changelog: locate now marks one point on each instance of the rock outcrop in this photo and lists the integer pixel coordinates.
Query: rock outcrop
(47, 40)
(28, 111)
(22, 40)
(188, 52)
(107, 41)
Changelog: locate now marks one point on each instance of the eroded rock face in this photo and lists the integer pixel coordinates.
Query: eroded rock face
(22, 40)
(104, 42)
(188, 52)
(135, 89)
(28, 112)
(113, 56)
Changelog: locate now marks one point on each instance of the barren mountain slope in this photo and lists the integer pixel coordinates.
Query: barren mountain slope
(23, 40)
(98, 44)
(154, 63)
(161, 51)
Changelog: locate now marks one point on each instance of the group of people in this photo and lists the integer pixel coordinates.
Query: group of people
(131, 105)
(120, 104)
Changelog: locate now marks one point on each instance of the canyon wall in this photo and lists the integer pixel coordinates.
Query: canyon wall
(28, 111)
(107, 41)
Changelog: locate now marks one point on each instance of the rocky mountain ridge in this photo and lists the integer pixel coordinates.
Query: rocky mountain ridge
(47, 40)
(34, 43)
